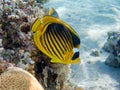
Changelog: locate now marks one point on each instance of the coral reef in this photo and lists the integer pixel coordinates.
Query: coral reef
(16, 38)
(113, 47)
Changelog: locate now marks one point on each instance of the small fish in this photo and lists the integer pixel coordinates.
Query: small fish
(53, 12)
(56, 39)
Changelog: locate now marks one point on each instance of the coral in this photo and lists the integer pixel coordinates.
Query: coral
(53, 76)
(25, 27)
(16, 17)
(15, 22)
(18, 79)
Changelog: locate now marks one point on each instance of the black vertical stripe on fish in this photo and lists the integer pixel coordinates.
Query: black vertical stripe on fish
(52, 29)
(59, 54)
(66, 34)
(55, 45)
(43, 42)
(59, 41)
(54, 32)
(50, 45)
(66, 37)
(53, 48)
(59, 31)
(62, 41)
(47, 44)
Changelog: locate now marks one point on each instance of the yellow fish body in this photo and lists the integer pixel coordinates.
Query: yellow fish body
(56, 39)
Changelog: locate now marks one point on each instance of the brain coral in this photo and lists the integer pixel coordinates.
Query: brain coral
(18, 79)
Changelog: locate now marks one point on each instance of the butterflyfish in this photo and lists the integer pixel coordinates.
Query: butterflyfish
(56, 39)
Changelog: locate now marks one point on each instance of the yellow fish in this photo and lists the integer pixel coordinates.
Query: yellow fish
(56, 39)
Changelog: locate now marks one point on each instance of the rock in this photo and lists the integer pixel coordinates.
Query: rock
(113, 42)
(112, 60)
(95, 53)
(113, 47)
(89, 62)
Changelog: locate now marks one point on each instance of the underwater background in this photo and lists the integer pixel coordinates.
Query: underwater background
(92, 20)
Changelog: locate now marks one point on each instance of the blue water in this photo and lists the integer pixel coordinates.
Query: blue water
(91, 19)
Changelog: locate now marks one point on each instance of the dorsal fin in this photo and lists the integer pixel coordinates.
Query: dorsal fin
(35, 25)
